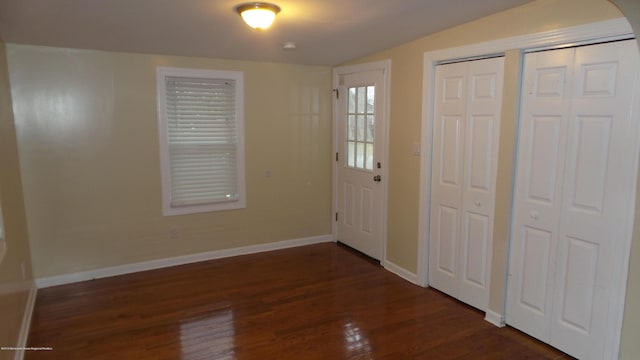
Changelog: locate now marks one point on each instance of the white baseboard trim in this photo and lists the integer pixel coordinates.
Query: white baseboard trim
(178, 260)
(495, 318)
(23, 337)
(400, 271)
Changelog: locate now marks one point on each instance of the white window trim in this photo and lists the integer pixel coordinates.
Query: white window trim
(161, 74)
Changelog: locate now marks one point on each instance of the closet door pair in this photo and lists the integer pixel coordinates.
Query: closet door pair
(575, 180)
(464, 160)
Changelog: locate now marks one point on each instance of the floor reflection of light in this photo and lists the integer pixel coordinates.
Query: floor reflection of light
(210, 336)
(355, 340)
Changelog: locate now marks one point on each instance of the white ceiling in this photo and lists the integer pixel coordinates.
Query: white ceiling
(327, 32)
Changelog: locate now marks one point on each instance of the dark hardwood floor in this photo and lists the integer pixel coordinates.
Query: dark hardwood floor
(315, 302)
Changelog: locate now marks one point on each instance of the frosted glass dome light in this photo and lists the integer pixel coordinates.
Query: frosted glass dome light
(258, 15)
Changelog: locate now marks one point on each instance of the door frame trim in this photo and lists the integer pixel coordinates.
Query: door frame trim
(608, 30)
(385, 67)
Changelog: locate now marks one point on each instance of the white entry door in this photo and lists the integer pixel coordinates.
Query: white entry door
(360, 160)
(465, 151)
(576, 176)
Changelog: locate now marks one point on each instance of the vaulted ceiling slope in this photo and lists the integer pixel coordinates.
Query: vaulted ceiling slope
(327, 32)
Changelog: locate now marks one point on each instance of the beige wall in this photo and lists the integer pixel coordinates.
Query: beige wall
(88, 139)
(406, 102)
(14, 284)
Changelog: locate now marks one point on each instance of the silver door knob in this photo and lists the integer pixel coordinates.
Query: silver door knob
(478, 203)
(534, 215)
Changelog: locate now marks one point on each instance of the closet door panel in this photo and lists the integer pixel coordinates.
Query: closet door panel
(598, 180)
(447, 174)
(536, 212)
(534, 257)
(447, 225)
(465, 144)
(476, 234)
(482, 130)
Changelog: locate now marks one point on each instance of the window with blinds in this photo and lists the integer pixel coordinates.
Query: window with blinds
(201, 140)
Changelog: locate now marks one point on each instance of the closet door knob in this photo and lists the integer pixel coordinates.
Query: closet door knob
(478, 203)
(534, 215)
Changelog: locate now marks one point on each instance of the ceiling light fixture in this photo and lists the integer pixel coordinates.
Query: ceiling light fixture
(258, 15)
(289, 45)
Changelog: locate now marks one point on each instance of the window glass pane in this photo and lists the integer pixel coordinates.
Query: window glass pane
(361, 128)
(351, 156)
(370, 128)
(351, 100)
(361, 100)
(360, 155)
(369, 162)
(351, 130)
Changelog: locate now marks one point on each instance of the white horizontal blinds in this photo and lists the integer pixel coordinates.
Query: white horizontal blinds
(202, 139)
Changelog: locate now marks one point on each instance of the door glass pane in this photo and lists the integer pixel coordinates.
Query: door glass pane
(351, 155)
(371, 90)
(351, 128)
(361, 127)
(361, 99)
(360, 155)
(370, 129)
(369, 159)
(352, 100)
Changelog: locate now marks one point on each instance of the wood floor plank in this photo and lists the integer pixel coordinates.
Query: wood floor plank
(314, 302)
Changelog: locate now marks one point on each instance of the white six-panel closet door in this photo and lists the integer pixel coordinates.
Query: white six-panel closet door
(446, 183)
(465, 143)
(599, 178)
(541, 146)
(576, 171)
